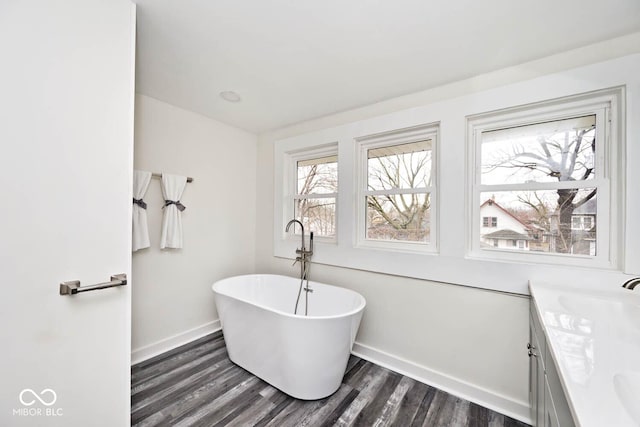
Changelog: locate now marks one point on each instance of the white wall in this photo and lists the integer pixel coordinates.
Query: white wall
(172, 288)
(471, 341)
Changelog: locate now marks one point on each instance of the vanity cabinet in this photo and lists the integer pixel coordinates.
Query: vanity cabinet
(549, 406)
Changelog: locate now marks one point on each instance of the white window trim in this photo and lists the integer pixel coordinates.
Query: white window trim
(605, 105)
(291, 189)
(387, 139)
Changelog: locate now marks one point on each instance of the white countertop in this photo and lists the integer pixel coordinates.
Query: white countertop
(594, 337)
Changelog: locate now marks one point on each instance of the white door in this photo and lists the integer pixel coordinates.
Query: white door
(66, 135)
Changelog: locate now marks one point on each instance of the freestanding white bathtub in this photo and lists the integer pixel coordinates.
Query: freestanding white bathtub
(304, 356)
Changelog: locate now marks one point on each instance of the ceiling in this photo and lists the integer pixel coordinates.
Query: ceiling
(292, 61)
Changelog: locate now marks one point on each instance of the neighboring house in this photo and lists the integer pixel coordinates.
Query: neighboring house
(501, 229)
(583, 229)
(541, 238)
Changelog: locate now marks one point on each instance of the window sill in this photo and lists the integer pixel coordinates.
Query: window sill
(499, 275)
(397, 247)
(541, 258)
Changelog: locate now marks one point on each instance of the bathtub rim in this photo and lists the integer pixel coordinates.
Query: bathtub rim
(359, 309)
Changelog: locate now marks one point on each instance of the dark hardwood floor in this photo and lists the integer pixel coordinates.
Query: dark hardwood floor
(197, 385)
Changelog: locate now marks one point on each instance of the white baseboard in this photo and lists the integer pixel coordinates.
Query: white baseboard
(148, 351)
(471, 392)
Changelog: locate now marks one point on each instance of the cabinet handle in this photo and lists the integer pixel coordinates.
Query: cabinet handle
(530, 347)
(531, 353)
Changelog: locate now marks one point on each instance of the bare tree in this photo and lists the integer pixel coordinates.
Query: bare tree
(399, 216)
(537, 213)
(318, 213)
(566, 156)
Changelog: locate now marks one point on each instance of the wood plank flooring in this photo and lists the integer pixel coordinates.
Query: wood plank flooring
(197, 385)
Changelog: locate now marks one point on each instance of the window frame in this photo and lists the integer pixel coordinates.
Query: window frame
(604, 105)
(291, 186)
(389, 139)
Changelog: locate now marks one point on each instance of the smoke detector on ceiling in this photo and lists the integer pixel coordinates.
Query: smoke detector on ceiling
(231, 96)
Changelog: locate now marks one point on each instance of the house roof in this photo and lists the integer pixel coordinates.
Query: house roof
(492, 202)
(506, 234)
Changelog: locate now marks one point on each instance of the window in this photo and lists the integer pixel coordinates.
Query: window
(315, 183)
(489, 221)
(546, 170)
(580, 222)
(397, 194)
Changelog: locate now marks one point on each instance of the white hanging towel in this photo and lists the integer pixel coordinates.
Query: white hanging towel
(172, 189)
(140, 238)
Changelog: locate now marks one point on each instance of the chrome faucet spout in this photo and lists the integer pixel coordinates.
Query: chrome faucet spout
(631, 283)
(294, 221)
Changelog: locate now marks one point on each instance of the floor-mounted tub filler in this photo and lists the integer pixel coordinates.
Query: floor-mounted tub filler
(304, 356)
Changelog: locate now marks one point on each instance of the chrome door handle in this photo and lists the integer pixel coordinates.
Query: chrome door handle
(73, 287)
